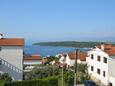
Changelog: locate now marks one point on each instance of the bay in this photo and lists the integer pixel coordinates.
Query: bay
(49, 50)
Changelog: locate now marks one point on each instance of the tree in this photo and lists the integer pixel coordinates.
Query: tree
(82, 68)
(5, 77)
(82, 75)
(42, 72)
(69, 77)
(50, 59)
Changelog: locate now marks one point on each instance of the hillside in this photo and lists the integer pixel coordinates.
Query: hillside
(70, 44)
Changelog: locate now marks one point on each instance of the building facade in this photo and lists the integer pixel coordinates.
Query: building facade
(100, 64)
(11, 57)
(32, 59)
(70, 57)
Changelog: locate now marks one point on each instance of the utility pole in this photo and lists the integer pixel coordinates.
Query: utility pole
(64, 57)
(62, 76)
(75, 68)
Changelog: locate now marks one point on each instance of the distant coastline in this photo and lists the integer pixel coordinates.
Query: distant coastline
(72, 44)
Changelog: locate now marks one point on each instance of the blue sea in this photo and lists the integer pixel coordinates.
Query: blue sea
(49, 50)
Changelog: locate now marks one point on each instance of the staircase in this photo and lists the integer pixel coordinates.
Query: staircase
(14, 72)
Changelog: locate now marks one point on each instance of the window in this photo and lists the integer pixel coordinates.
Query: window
(0, 62)
(104, 73)
(92, 68)
(98, 70)
(92, 56)
(98, 58)
(105, 60)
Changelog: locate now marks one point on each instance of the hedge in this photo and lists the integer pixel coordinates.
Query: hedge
(39, 82)
(1, 83)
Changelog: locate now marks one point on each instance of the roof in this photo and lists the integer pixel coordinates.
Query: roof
(109, 49)
(81, 55)
(32, 57)
(11, 42)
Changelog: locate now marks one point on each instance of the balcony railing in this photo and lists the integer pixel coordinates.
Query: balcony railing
(3, 62)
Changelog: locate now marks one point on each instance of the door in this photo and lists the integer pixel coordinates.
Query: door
(110, 84)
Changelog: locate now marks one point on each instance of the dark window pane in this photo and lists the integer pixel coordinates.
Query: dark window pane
(104, 73)
(92, 68)
(105, 60)
(92, 56)
(98, 71)
(98, 58)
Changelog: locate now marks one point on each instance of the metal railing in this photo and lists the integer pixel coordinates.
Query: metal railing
(3, 62)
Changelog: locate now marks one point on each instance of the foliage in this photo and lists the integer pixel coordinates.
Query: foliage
(82, 75)
(1, 83)
(50, 81)
(42, 72)
(70, 44)
(69, 77)
(82, 68)
(5, 77)
(51, 58)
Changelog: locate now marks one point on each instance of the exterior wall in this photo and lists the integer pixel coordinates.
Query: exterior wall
(111, 67)
(81, 62)
(71, 62)
(62, 59)
(98, 64)
(112, 80)
(13, 55)
(112, 71)
(68, 61)
(32, 62)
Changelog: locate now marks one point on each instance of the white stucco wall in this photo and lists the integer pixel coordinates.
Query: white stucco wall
(14, 56)
(98, 64)
(112, 80)
(71, 62)
(32, 62)
(111, 70)
(68, 61)
(81, 62)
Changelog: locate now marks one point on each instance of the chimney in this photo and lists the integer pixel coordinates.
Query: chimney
(102, 46)
(1, 36)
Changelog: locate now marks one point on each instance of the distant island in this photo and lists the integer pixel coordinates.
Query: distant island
(71, 44)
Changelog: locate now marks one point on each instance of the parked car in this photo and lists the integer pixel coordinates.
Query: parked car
(89, 83)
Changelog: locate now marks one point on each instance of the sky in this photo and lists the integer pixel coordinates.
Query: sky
(58, 20)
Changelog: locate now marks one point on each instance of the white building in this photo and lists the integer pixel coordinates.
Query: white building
(32, 59)
(11, 57)
(101, 61)
(70, 57)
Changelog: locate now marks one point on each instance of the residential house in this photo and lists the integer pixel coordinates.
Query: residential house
(101, 62)
(32, 59)
(70, 57)
(11, 57)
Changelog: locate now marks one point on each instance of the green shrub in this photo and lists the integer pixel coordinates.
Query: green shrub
(51, 81)
(1, 83)
(5, 77)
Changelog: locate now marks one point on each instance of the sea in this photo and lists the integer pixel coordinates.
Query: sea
(45, 51)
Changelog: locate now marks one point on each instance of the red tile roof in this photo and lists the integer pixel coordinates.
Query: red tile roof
(32, 57)
(81, 55)
(11, 42)
(109, 49)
